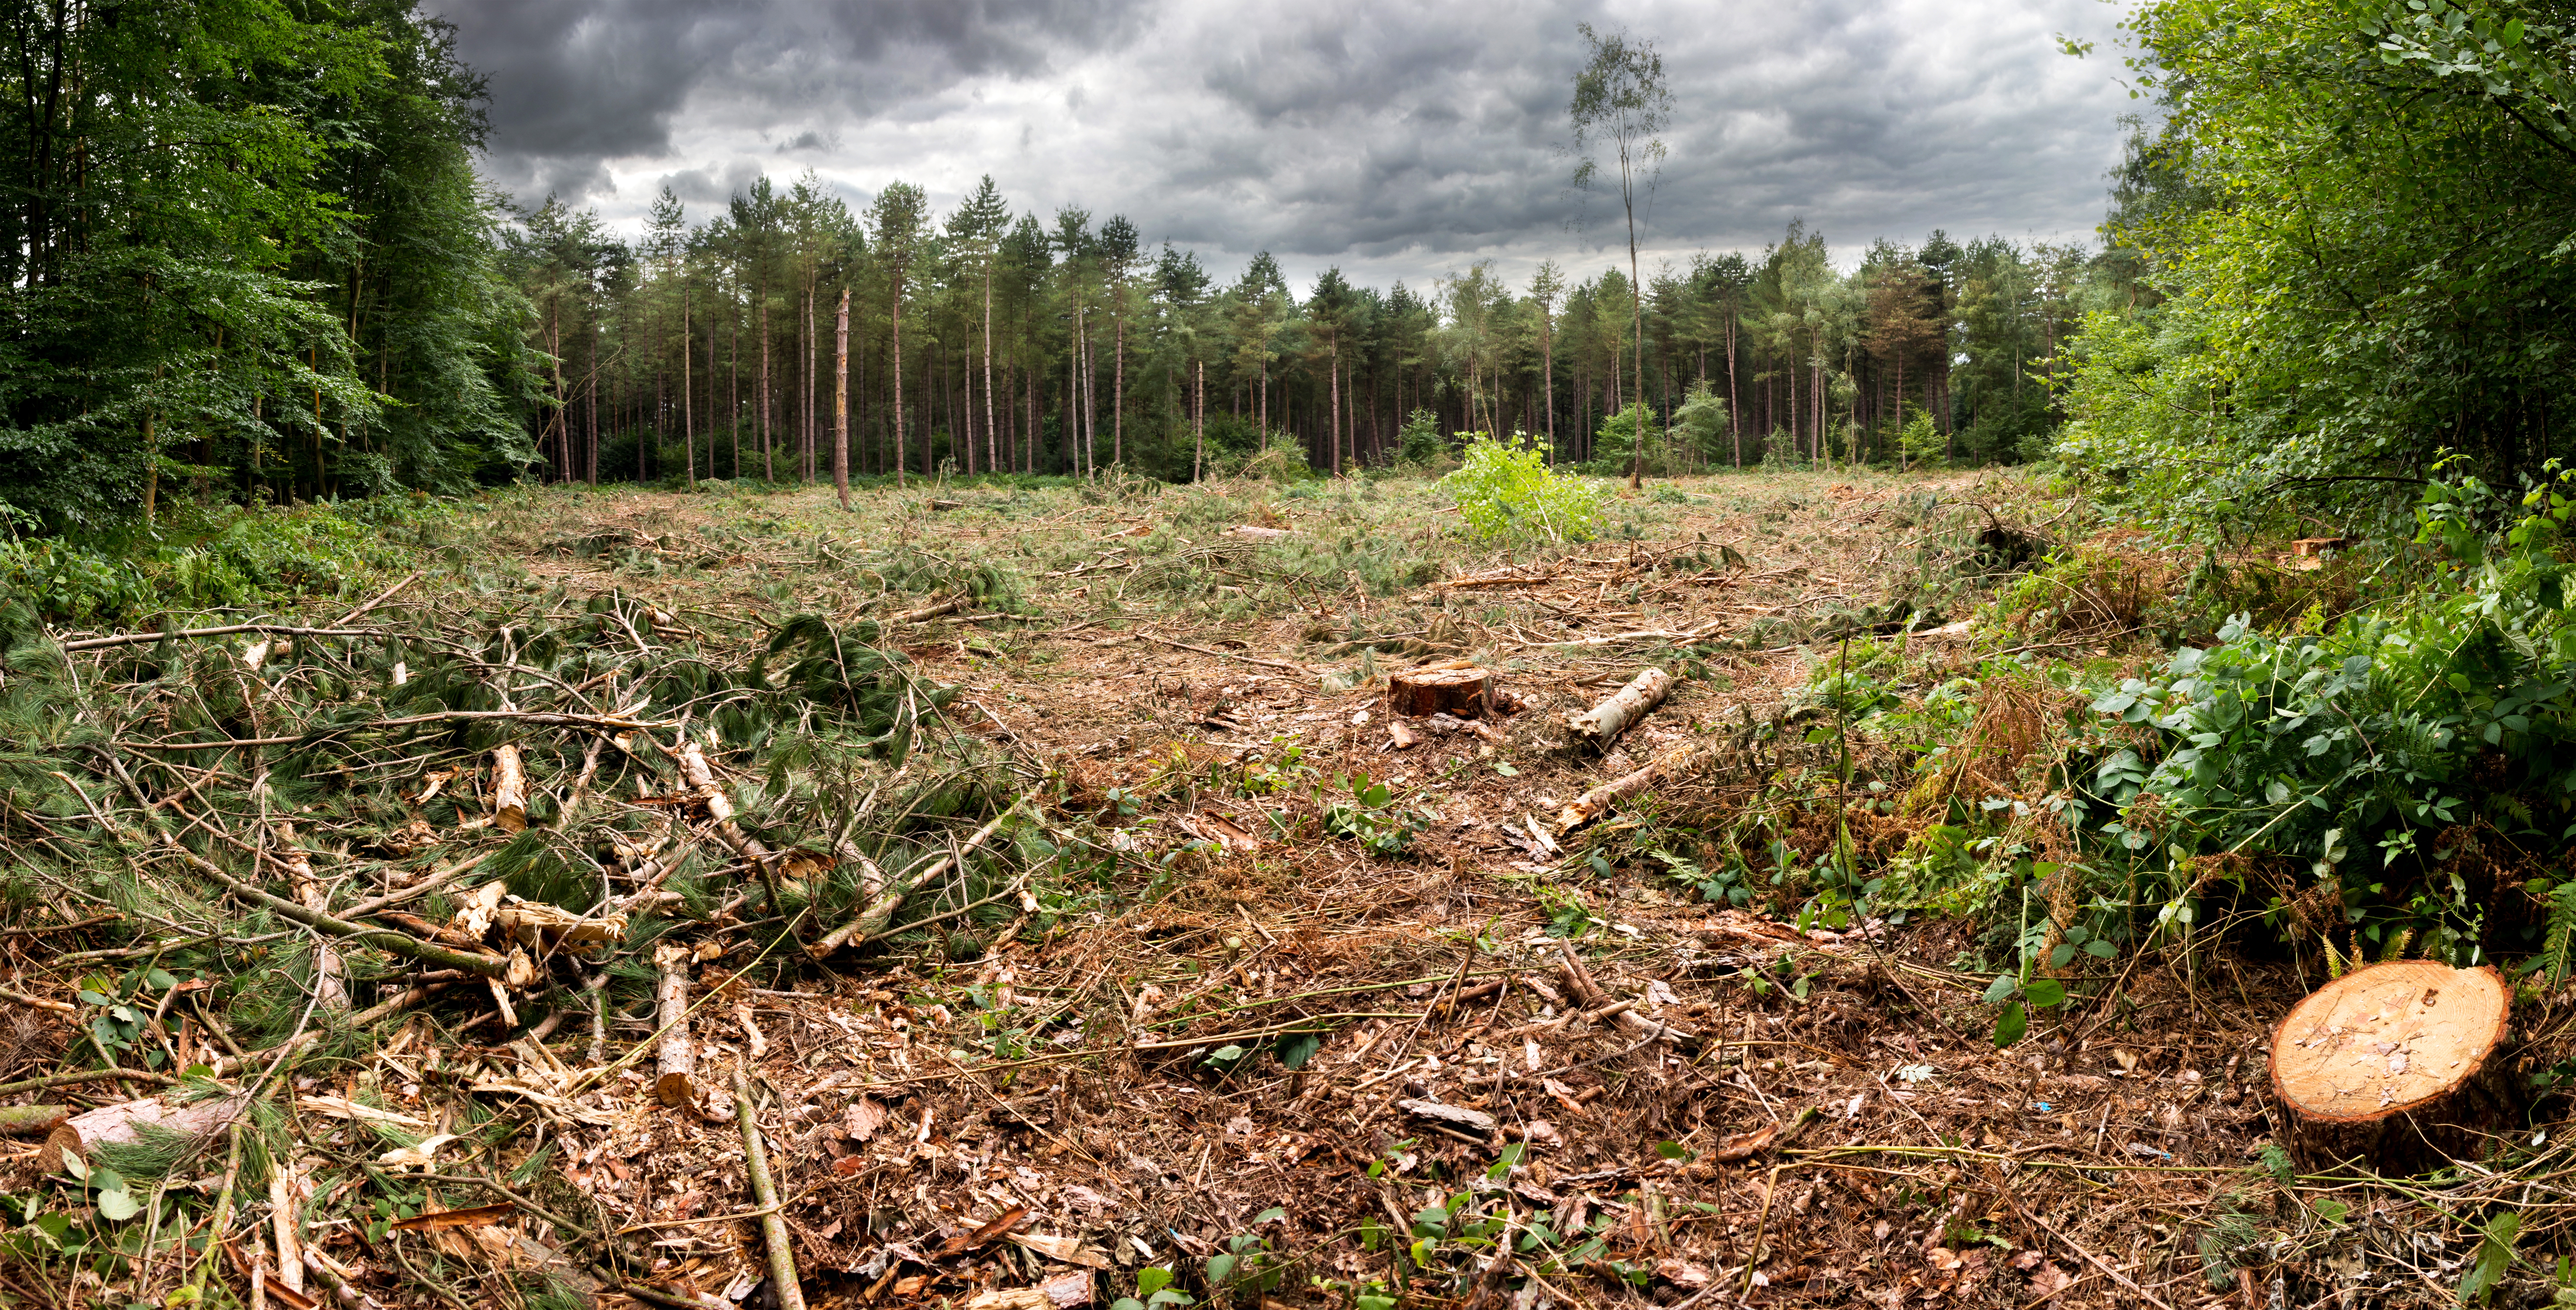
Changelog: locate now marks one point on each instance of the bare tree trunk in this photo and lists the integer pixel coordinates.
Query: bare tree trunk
(989, 451)
(1118, 391)
(688, 393)
(1333, 365)
(898, 381)
(768, 463)
(841, 404)
(1198, 427)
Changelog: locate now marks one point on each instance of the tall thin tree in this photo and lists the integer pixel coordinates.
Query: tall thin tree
(1620, 102)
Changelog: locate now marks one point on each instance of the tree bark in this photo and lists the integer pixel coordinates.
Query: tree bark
(841, 403)
(676, 1058)
(1603, 723)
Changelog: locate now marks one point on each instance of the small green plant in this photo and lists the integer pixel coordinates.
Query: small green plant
(1154, 1285)
(1248, 1269)
(1372, 818)
(1505, 489)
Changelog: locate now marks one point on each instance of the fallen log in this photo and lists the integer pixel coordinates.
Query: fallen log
(1603, 723)
(1602, 799)
(2393, 1065)
(23, 1120)
(1463, 691)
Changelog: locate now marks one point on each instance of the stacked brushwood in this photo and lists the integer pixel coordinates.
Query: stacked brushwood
(248, 845)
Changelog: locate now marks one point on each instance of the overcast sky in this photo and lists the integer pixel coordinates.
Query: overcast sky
(1392, 139)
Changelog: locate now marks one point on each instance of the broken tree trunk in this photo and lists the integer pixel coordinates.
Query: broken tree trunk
(1466, 692)
(2393, 1065)
(509, 790)
(1602, 799)
(678, 1059)
(1603, 723)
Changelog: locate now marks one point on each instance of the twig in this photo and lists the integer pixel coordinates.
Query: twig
(381, 597)
(873, 917)
(399, 943)
(1224, 654)
(273, 629)
(595, 722)
(783, 1283)
(85, 1076)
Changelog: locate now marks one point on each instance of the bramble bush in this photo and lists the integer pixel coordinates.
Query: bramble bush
(1505, 489)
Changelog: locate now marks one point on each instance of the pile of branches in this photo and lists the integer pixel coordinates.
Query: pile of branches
(233, 852)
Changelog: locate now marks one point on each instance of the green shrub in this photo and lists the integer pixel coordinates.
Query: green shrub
(2417, 761)
(1506, 489)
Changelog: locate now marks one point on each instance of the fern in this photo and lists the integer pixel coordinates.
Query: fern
(2335, 962)
(2276, 1162)
(2562, 931)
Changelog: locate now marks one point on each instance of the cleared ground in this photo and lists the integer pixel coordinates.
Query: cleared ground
(1248, 978)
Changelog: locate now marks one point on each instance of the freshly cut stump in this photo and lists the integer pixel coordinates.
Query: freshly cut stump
(1466, 693)
(2393, 1067)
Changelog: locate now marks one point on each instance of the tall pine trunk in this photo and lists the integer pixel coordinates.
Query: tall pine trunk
(841, 402)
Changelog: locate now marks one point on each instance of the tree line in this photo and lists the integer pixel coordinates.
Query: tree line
(248, 256)
(984, 341)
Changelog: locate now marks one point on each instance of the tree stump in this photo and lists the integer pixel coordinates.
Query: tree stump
(2393, 1066)
(1465, 692)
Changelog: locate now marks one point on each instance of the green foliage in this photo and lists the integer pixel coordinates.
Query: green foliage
(216, 557)
(2366, 752)
(1506, 490)
(1372, 818)
(2322, 330)
(2494, 1257)
(1419, 442)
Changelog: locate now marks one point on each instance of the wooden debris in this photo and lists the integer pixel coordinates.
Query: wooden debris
(1603, 723)
(509, 790)
(1465, 692)
(1602, 799)
(788, 1292)
(1456, 1116)
(678, 1060)
(1259, 533)
(29, 1120)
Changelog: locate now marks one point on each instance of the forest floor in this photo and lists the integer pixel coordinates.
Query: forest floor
(1265, 996)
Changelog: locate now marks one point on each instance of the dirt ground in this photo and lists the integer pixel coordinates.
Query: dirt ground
(1532, 1065)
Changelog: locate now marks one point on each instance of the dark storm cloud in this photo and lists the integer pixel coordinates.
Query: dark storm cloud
(1393, 139)
(577, 83)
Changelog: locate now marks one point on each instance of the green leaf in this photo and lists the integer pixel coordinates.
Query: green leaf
(1274, 1212)
(1295, 1050)
(2010, 1027)
(1152, 1279)
(2002, 989)
(1503, 767)
(117, 1206)
(1672, 1150)
(2495, 1255)
(2046, 993)
(1219, 1269)
(2513, 32)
